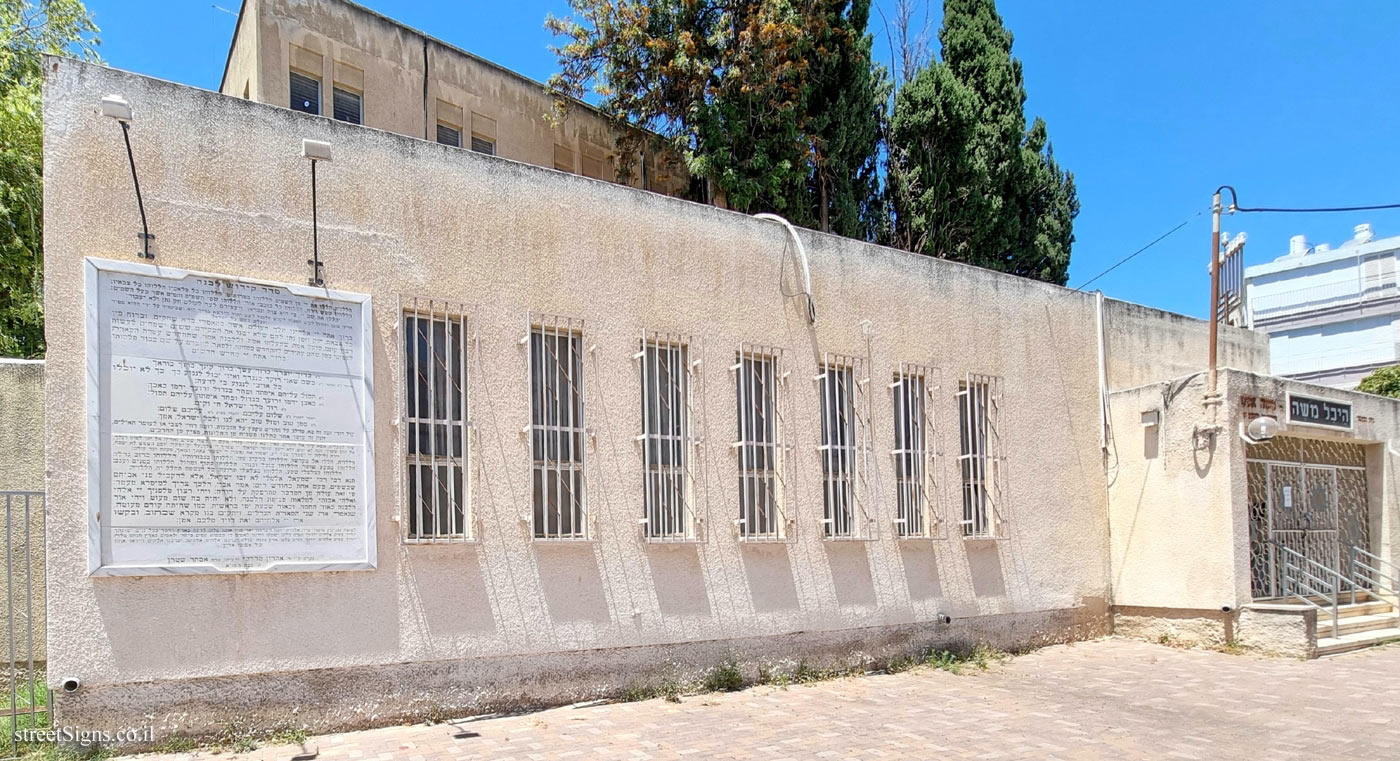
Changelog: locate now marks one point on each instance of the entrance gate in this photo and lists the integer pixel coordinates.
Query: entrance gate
(1313, 503)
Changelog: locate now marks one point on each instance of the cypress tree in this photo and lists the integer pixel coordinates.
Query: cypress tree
(967, 179)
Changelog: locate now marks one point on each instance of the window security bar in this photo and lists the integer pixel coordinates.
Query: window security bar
(436, 433)
(668, 364)
(981, 461)
(557, 431)
(914, 391)
(844, 448)
(759, 380)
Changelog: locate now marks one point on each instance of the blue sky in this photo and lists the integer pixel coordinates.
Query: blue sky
(1151, 105)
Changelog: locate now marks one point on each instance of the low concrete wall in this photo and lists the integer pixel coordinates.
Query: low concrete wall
(1175, 626)
(328, 700)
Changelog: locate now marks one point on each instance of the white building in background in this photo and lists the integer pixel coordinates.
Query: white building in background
(1332, 314)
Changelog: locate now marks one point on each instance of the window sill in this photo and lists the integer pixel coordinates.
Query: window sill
(442, 541)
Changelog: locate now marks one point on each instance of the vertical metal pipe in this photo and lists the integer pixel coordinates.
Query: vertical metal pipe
(1214, 290)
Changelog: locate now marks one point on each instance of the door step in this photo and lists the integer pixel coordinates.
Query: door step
(1351, 623)
(1348, 642)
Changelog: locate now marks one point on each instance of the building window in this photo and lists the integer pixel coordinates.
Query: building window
(306, 94)
(557, 430)
(842, 447)
(980, 461)
(482, 145)
(666, 438)
(449, 135)
(912, 454)
(757, 377)
(435, 424)
(563, 158)
(346, 105)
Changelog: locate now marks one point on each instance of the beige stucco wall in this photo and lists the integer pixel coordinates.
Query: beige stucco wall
(1170, 496)
(21, 424)
(347, 44)
(227, 192)
(22, 515)
(1146, 345)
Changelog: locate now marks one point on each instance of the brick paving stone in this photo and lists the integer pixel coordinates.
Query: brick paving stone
(1109, 699)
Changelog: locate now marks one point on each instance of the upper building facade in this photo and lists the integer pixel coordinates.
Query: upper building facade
(338, 59)
(1331, 313)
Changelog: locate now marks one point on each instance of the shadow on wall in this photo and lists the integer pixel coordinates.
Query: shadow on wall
(679, 580)
(768, 570)
(850, 573)
(920, 571)
(571, 582)
(447, 591)
(984, 563)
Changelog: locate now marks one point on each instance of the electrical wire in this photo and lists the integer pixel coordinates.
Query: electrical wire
(1235, 206)
(1129, 257)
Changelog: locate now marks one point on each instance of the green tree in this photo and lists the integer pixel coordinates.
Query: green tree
(772, 103)
(967, 179)
(28, 30)
(1384, 381)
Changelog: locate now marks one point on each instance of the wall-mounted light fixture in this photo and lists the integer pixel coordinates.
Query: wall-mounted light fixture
(117, 107)
(315, 150)
(1259, 430)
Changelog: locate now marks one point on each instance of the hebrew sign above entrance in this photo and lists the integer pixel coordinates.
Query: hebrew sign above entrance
(230, 424)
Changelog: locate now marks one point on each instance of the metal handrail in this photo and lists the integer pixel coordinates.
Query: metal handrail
(1338, 582)
(1360, 570)
(1289, 582)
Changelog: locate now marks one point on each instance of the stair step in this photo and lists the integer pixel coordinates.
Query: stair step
(1346, 643)
(1355, 623)
(1361, 609)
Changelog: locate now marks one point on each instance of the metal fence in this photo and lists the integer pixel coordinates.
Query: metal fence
(25, 623)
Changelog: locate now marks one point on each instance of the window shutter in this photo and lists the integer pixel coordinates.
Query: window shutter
(306, 94)
(448, 135)
(347, 106)
(481, 145)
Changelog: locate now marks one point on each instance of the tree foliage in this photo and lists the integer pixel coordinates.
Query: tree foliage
(28, 30)
(1384, 381)
(967, 180)
(774, 103)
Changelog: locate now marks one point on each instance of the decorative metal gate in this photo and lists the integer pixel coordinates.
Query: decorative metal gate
(1313, 503)
(27, 704)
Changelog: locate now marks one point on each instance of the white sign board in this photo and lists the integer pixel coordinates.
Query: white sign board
(230, 424)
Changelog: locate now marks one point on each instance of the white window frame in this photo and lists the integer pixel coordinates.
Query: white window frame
(981, 463)
(466, 527)
(915, 454)
(568, 431)
(844, 451)
(669, 506)
(760, 379)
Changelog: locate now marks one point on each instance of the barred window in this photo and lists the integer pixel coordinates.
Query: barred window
(557, 433)
(840, 448)
(913, 454)
(666, 438)
(435, 423)
(759, 450)
(980, 461)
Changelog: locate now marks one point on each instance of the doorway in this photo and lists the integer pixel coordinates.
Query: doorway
(1308, 496)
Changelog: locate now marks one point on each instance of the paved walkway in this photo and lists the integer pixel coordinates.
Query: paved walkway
(1111, 699)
